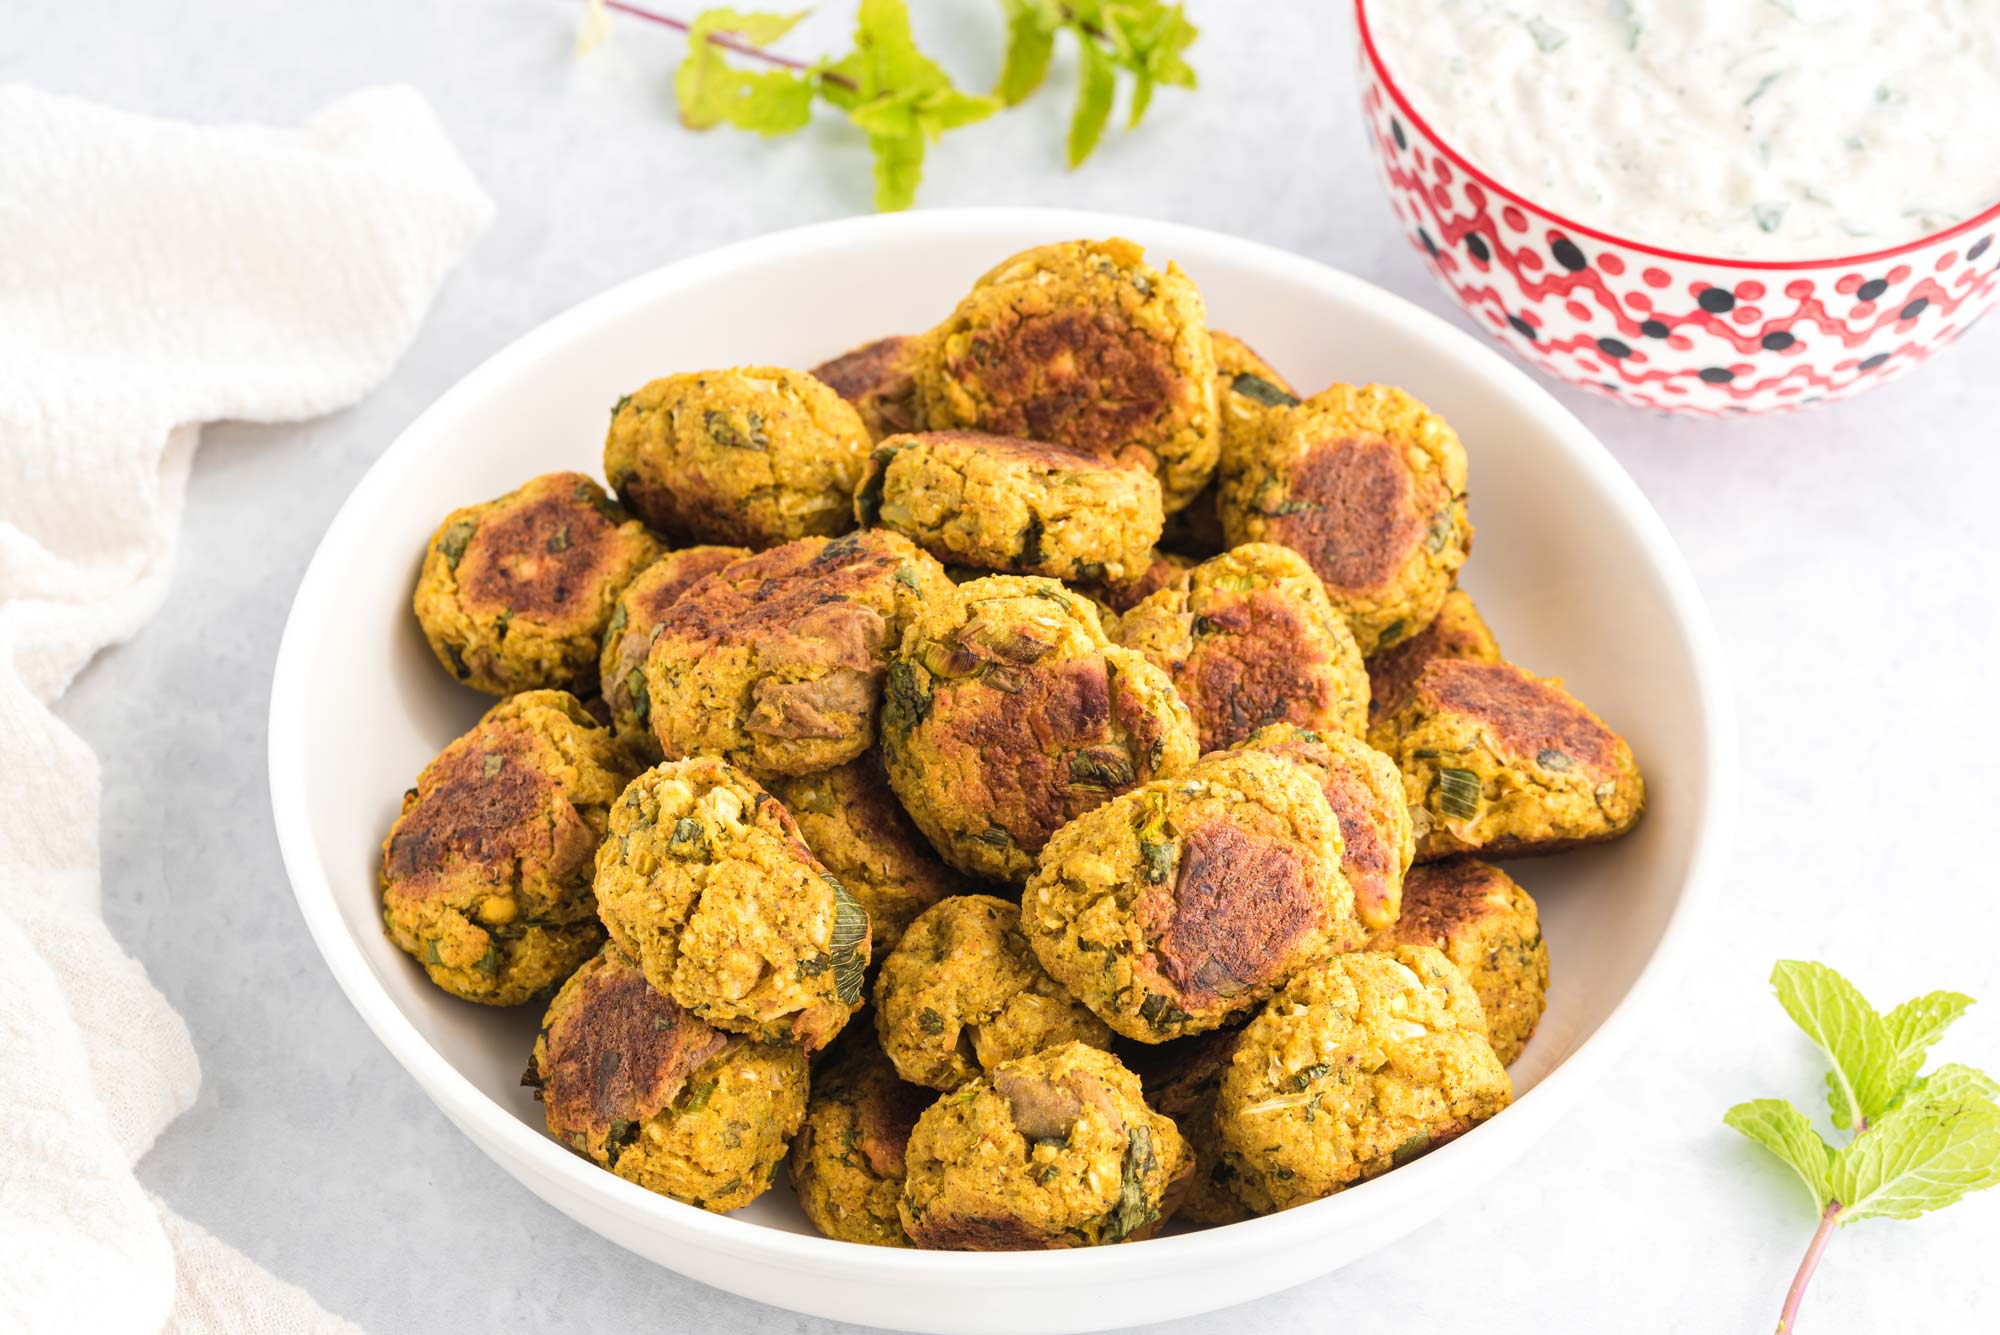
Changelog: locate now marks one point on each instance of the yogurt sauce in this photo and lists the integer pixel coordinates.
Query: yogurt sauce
(1765, 129)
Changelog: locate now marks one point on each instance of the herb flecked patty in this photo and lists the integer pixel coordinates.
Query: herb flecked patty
(704, 880)
(879, 380)
(1018, 506)
(515, 593)
(1369, 486)
(635, 1083)
(1054, 1150)
(1356, 1067)
(635, 622)
(776, 661)
(1082, 343)
(1457, 631)
(1008, 713)
(1496, 759)
(486, 873)
(1182, 903)
(754, 456)
(1488, 926)
(847, 1160)
(964, 993)
(1249, 639)
(1181, 1079)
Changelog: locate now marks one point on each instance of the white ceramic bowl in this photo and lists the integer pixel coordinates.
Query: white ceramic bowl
(1574, 571)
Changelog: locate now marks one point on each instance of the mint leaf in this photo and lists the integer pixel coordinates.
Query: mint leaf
(1912, 1028)
(1031, 39)
(1148, 39)
(1839, 1019)
(1927, 1154)
(1096, 84)
(1952, 1081)
(899, 98)
(711, 91)
(1785, 1132)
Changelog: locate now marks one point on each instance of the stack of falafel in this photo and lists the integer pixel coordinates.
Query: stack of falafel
(1117, 705)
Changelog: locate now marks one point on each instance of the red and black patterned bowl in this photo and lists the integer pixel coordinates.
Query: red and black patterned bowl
(1655, 327)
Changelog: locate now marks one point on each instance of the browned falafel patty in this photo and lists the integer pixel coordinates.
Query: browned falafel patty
(628, 637)
(1457, 631)
(879, 379)
(847, 1160)
(776, 661)
(515, 593)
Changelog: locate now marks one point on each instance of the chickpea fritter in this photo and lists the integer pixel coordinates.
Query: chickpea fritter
(486, 873)
(1369, 486)
(1081, 343)
(1249, 639)
(1054, 1150)
(633, 1082)
(515, 593)
(1487, 925)
(1356, 1067)
(1366, 794)
(1178, 905)
(1008, 713)
(753, 457)
(1496, 759)
(634, 623)
(879, 380)
(776, 661)
(1018, 506)
(847, 1160)
(1457, 631)
(854, 825)
(964, 993)
(1181, 1079)
(704, 880)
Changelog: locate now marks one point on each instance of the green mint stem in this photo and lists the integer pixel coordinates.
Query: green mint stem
(1788, 1319)
(726, 42)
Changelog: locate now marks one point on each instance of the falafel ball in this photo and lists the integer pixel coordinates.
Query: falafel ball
(1008, 712)
(1366, 793)
(1178, 905)
(1054, 1150)
(1487, 925)
(776, 661)
(515, 593)
(486, 874)
(1181, 1079)
(1249, 639)
(847, 1160)
(635, 1083)
(853, 824)
(1496, 759)
(1369, 486)
(753, 456)
(1457, 631)
(704, 880)
(1082, 343)
(634, 623)
(1356, 1067)
(879, 379)
(964, 993)
(1019, 506)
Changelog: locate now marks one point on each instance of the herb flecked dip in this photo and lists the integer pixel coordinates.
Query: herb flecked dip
(1765, 129)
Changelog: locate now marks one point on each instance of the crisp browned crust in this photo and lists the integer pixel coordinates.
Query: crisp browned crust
(482, 804)
(1234, 915)
(1079, 376)
(1527, 716)
(620, 1052)
(681, 571)
(546, 558)
(1456, 632)
(1356, 513)
(945, 1231)
(795, 587)
(1438, 896)
(1253, 662)
(1163, 571)
(1036, 727)
(881, 367)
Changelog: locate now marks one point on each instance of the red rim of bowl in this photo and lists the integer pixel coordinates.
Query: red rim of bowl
(1972, 224)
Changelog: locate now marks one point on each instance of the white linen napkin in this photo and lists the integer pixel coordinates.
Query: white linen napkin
(153, 276)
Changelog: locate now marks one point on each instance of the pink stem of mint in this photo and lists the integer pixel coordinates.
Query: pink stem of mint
(1788, 1319)
(723, 40)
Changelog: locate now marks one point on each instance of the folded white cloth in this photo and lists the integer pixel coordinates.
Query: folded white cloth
(153, 277)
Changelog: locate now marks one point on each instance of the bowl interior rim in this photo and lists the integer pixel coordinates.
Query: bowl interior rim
(1984, 217)
(532, 1153)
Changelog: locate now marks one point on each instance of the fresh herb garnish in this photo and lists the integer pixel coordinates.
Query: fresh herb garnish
(1262, 391)
(897, 96)
(848, 943)
(1920, 1142)
(1458, 792)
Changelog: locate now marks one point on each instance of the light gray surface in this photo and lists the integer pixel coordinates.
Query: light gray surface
(1845, 554)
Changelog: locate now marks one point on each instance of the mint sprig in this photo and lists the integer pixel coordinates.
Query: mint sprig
(896, 95)
(1920, 1143)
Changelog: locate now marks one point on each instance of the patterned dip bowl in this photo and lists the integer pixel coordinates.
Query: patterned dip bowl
(1659, 328)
